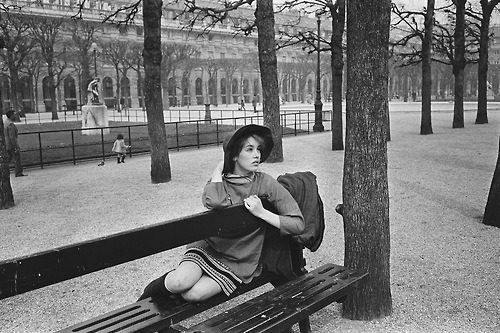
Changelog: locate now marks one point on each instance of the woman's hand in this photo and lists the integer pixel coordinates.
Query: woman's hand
(254, 206)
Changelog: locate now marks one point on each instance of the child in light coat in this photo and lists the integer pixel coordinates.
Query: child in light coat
(120, 148)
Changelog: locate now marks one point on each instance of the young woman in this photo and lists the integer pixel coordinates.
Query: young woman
(219, 264)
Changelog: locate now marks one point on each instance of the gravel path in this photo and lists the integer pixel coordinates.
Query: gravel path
(445, 265)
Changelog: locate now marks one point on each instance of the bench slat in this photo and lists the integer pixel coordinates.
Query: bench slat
(38, 270)
(280, 308)
(151, 315)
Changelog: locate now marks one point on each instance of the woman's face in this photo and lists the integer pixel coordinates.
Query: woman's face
(248, 159)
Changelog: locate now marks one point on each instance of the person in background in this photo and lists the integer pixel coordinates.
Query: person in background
(120, 148)
(11, 142)
(254, 103)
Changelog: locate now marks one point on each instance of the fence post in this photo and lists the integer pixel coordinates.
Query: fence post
(40, 149)
(102, 143)
(129, 142)
(73, 146)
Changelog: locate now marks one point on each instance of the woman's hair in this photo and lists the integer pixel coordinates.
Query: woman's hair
(119, 137)
(240, 143)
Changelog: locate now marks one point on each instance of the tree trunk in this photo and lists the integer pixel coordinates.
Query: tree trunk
(160, 163)
(426, 122)
(459, 64)
(365, 185)
(6, 195)
(264, 15)
(482, 68)
(15, 89)
(492, 209)
(338, 22)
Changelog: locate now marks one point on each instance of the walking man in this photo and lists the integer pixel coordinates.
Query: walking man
(13, 149)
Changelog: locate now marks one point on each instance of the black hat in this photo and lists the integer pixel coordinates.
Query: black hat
(246, 131)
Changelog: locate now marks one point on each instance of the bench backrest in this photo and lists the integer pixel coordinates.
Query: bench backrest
(23, 274)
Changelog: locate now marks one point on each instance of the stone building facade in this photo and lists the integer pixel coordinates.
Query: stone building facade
(222, 67)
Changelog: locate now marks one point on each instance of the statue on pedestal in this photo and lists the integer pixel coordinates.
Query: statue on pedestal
(93, 92)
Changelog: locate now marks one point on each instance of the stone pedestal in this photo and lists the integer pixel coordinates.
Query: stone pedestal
(94, 116)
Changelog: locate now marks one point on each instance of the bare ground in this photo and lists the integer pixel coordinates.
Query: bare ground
(445, 264)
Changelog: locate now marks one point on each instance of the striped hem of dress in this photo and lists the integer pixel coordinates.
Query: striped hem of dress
(220, 273)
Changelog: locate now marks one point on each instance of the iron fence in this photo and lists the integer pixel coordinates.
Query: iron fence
(42, 148)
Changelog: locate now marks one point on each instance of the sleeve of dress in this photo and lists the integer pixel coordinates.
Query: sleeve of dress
(215, 196)
(291, 219)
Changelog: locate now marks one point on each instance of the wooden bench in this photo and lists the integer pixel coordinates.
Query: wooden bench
(292, 301)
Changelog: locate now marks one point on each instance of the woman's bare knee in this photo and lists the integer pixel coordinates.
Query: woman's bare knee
(202, 290)
(183, 278)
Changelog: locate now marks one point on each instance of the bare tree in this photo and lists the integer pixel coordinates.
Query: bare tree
(160, 161)
(151, 10)
(484, 18)
(459, 63)
(136, 62)
(264, 22)
(264, 19)
(46, 31)
(407, 25)
(115, 52)
(173, 56)
(365, 184)
(229, 66)
(18, 45)
(83, 35)
(455, 42)
(335, 45)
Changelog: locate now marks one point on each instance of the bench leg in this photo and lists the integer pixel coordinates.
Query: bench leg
(305, 326)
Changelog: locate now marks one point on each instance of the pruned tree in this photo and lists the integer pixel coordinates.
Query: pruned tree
(18, 44)
(459, 63)
(483, 18)
(151, 11)
(115, 52)
(264, 19)
(335, 45)
(32, 66)
(456, 44)
(264, 23)
(408, 27)
(160, 161)
(136, 62)
(229, 66)
(365, 185)
(173, 56)
(83, 34)
(46, 32)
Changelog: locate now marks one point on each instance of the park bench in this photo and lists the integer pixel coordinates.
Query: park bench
(292, 301)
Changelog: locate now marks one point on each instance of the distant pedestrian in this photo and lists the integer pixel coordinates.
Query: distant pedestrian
(120, 148)
(11, 143)
(122, 104)
(254, 103)
(242, 104)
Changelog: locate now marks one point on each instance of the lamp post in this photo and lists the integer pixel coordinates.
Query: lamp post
(318, 105)
(93, 47)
